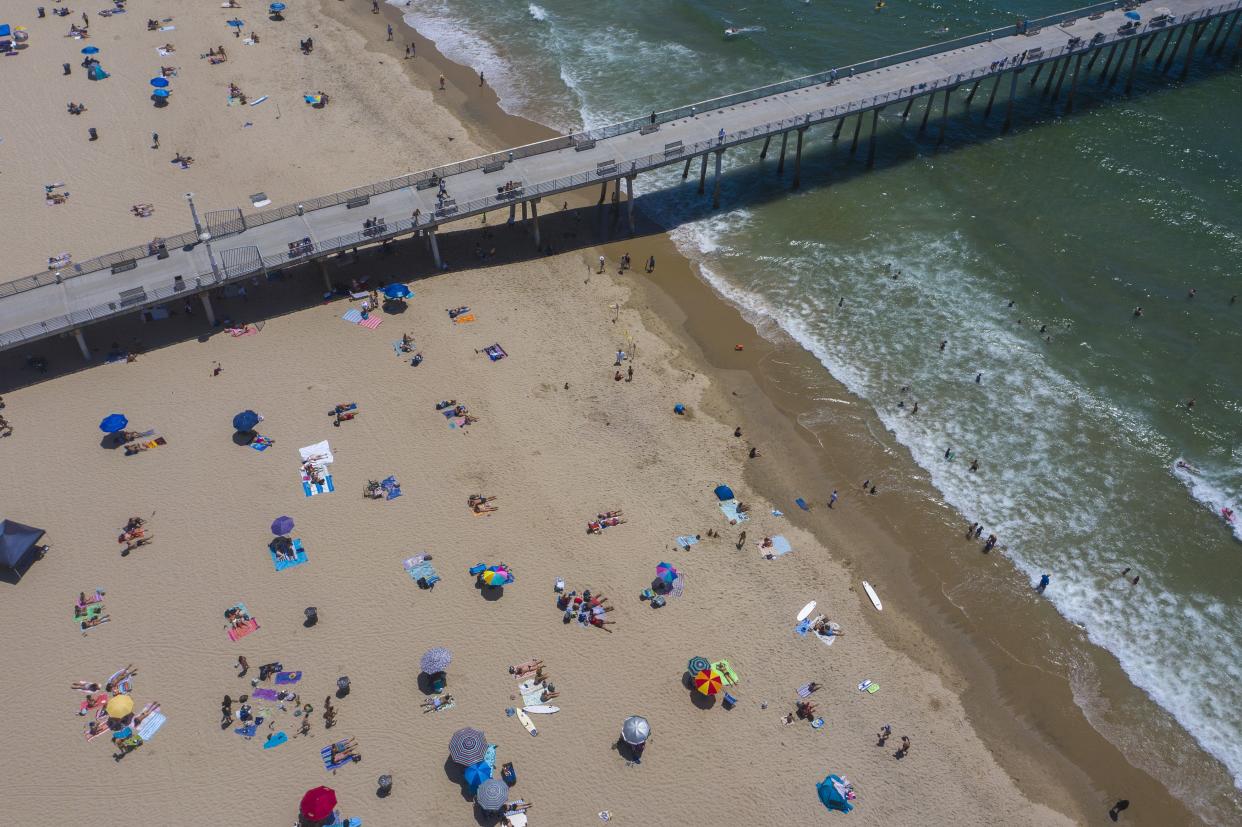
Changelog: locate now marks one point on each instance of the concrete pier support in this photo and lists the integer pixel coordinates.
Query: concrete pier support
(1013, 93)
(1120, 60)
(603, 193)
(1177, 44)
(716, 179)
(1211, 47)
(523, 210)
(944, 114)
(1035, 77)
(1190, 50)
(534, 221)
(763, 153)
(1224, 41)
(992, 97)
(973, 89)
(1095, 53)
(513, 208)
(685, 172)
(1069, 101)
(703, 173)
(1052, 73)
(926, 112)
(1107, 62)
(875, 122)
(906, 112)
(81, 340)
(1164, 48)
(629, 201)
(323, 271)
(857, 129)
(780, 164)
(1056, 90)
(1134, 62)
(836, 133)
(435, 248)
(211, 313)
(797, 181)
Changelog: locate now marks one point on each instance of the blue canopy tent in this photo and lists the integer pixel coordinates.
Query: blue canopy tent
(724, 493)
(19, 546)
(832, 793)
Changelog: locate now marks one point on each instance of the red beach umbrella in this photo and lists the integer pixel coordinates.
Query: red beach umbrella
(318, 803)
(708, 681)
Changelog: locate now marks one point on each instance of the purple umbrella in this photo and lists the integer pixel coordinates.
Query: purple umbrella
(282, 525)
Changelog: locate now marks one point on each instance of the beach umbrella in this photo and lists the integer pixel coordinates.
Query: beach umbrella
(708, 681)
(245, 421)
(318, 803)
(1133, 15)
(276, 8)
(435, 660)
(282, 525)
(397, 291)
(235, 23)
(698, 664)
(113, 423)
(666, 572)
(162, 93)
(635, 731)
(476, 774)
(467, 746)
(119, 706)
(496, 576)
(90, 50)
(159, 83)
(492, 795)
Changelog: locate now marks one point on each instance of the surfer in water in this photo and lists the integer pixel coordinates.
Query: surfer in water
(1044, 580)
(1186, 466)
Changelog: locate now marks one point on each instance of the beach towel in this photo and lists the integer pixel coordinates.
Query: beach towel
(320, 453)
(489, 756)
(457, 422)
(687, 540)
(804, 691)
(86, 732)
(352, 316)
(726, 672)
(777, 513)
(326, 755)
(780, 546)
(396, 348)
(729, 509)
(240, 331)
(495, 352)
(371, 323)
(465, 318)
(533, 696)
(392, 489)
(802, 628)
(869, 686)
(275, 739)
(312, 489)
(265, 694)
(236, 633)
(288, 677)
(163, 52)
(678, 587)
(97, 597)
(424, 572)
(801, 503)
(282, 563)
(151, 725)
(247, 731)
(260, 443)
(166, 28)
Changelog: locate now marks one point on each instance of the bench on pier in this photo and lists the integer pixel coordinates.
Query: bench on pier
(495, 166)
(447, 207)
(426, 183)
(360, 201)
(674, 148)
(581, 146)
(135, 295)
(649, 128)
(606, 167)
(123, 266)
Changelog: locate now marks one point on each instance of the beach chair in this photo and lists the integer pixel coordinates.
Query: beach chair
(646, 594)
(729, 701)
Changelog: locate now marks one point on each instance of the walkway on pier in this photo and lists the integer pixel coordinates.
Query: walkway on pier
(230, 246)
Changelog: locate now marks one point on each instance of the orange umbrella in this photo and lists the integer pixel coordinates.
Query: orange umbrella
(708, 681)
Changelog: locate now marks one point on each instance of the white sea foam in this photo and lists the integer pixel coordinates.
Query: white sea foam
(1209, 487)
(537, 11)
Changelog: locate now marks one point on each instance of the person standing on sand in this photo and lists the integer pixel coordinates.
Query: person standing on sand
(1044, 580)
(155, 140)
(481, 81)
(905, 747)
(390, 31)
(601, 264)
(651, 264)
(441, 83)
(833, 498)
(882, 737)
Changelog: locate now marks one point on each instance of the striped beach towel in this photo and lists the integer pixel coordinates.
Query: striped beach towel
(151, 725)
(282, 563)
(370, 323)
(351, 316)
(310, 489)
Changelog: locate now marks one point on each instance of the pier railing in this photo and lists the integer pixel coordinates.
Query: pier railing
(623, 167)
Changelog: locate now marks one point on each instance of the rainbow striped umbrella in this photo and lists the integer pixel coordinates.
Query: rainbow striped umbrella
(666, 572)
(708, 681)
(496, 576)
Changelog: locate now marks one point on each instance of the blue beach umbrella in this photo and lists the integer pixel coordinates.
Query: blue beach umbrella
(476, 774)
(492, 795)
(435, 660)
(113, 423)
(276, 7)
(235, 23)
(397, 291)
(159, 83)
(90, 50)
(162, 93)
(245, 421)
(1133, 15)
(282, 525)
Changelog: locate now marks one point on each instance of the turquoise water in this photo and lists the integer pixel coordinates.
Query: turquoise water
(1076, 220)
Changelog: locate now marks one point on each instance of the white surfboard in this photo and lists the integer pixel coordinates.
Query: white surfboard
(806, 611)
(875, 598)
(527, 722)
(543, 709)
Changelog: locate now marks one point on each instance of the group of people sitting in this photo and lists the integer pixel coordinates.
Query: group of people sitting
(283, 548)
(216, 55)
(235, 93)
(450, 409)
(182, 161)
(479, 504)
(307, 46)
(605, 520)
(135, 535)
(304, 247)
(587, 609)
(143, 210)
(237, 617)
(76, 108)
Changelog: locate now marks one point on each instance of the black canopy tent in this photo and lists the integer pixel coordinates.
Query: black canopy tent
(19, 546)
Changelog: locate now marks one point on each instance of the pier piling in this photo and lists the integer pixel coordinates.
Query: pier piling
(1164, 47)
(435, 248)
(534, 220)
(1134, 62)
(211, 313)
(685, 172)
(1190, 50)
(1052, 73)
(973, 89)
(1224, 41)
(1056, 90)
(1107, 62)
(992, 97)
(629, 201)
(763, 153)
(86, 351)
(875, 121)
(1013, 92)
(1211, 46)
(1177, 44)
(926, 112)
(797, 181)
(1120, 60)
(836, 133)
(1035, 77)
(944, 114)
(1069, 101)
(780, 164)
(857, 129)
(716, 181)
(703, 173)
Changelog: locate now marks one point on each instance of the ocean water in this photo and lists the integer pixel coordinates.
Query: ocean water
(1079, 416)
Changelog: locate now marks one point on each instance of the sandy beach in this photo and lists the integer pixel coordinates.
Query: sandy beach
(558, 440)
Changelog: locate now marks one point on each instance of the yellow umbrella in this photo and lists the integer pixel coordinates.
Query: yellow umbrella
(119, 706)
(708, 681)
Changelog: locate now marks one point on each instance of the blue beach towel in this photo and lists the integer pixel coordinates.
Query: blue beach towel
(802, 504)
(802, 628)
(283, 563)
(729, 508)
(247, 731)
(151, 725)
(326, 755)
(351, 316)
(288, 677)
(392, 489)
(310, 489)
(779, 546)
(687, 540)
(275, 740)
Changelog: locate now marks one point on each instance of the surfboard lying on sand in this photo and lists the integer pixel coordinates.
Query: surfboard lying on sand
(543, 709)
(875, 598)
(527, 722)
(806, 611)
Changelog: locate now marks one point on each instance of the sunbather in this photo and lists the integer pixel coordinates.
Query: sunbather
(344, 749)
(147, 710)
(86, 686)
(523, 668)
(89, 622)
(120, 678)
(138, 543)
(608, 514)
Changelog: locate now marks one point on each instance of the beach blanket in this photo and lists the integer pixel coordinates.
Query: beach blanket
(312, 489)
(282, 563)
(247, 731)
(687, 540)
(532, 695)
(780, 546)
(392, 488)
(136, 447)
(457, 422)
(801, 503)
(260, 443)
(326, 755)
(729, 509)
(288, 677)
(371, 322)
(495, 352)
(802, 628)
(465, 318)
(86, 732)
(320, 453)
(396, 348)
(275, 739)
(804, 691)
(421, 569)
(352, 316)
(678, 587)
(726, 672)
(151, 725)
(265, 694)
(238, 632)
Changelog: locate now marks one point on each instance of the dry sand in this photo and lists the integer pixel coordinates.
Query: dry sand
(554, 457)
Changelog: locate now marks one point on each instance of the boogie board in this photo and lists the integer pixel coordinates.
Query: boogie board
(526, 722)
(543, 709)
(875, 598)
(806, 611)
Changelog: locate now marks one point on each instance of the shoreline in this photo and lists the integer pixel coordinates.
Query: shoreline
(1045, 748)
